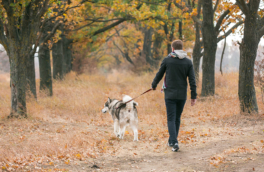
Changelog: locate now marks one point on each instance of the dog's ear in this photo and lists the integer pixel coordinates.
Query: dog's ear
(109, 100)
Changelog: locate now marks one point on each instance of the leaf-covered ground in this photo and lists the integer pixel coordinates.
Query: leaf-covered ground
(68, 132)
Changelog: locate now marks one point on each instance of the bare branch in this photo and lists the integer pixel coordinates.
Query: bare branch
(43, 9)
(222, 56)
(53, 31)
(154, 3)
(32, 52)
(109, 26)
(114, 24)
(80, 27)
(243, 6)
(197, 20)
(98, 19)
(219, 22)
(117, 31)
(124, 54)
(229, 31)
(216, 5)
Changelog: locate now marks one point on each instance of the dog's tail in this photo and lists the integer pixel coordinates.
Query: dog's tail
(129, 105)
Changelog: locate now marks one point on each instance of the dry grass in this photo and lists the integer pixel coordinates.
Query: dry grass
(69, 126)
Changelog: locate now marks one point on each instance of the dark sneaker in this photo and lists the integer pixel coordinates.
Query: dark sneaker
(170, 144)
(175, 148)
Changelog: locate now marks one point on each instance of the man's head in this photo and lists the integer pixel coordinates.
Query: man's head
(177, 45)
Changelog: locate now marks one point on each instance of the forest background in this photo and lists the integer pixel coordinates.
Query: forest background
(60, 60)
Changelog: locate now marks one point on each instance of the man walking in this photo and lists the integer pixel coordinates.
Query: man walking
(177, 68)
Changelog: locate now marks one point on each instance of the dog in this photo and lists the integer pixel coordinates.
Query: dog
(124, 115)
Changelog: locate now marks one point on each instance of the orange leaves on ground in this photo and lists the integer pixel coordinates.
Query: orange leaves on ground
(187, 136)
(103, 141)
(78, 156)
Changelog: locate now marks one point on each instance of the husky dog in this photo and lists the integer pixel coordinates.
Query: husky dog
(123, 116)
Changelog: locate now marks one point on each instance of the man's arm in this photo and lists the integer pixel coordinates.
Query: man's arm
(159, 75)
(192, 83)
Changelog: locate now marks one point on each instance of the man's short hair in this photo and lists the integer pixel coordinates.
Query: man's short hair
(177, 45)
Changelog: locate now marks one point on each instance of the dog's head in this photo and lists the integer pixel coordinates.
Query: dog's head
(106, 106)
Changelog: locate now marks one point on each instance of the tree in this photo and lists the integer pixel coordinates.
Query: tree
(148, 14)
(197, 49)
(210, 33)
(253, 31)
(58, 60)
(30, 75)
(19, 27)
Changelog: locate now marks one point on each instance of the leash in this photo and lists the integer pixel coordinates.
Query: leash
(134, 98)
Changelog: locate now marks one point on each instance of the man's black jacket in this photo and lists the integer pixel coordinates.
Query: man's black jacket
(177, 70)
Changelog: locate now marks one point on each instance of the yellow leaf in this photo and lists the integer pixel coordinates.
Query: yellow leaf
(78, 156)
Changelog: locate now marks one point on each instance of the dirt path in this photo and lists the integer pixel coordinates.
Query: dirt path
(187, 159)
(190, 159)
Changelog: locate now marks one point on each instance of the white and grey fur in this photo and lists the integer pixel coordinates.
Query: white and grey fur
(125, 115)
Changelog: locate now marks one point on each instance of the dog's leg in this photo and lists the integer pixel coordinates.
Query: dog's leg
(122, 130)
(134, 127)
(116, 128)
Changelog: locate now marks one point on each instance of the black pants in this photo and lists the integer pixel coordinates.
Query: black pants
(174, 110)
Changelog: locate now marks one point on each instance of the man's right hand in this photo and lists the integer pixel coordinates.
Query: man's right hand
(193, 101)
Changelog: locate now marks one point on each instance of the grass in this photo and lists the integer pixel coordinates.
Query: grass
(69, 126)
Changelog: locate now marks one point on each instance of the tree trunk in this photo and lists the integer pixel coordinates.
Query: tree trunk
(30, 74)
(169, 36)
(58, 60)
(45, 69)
(147, 47)
(67, 52)
(248, 53)
(157, 54)
(197, 53)
(210, 46)
(180, 30)
(17, 81)
(19, 34)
